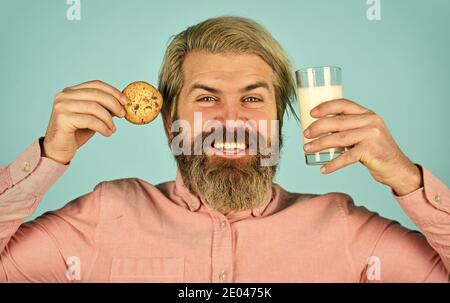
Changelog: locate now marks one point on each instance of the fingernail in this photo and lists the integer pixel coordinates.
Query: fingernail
(307, 146)
(323, 169)
(306, 132)
(122, 113)
(314, 111)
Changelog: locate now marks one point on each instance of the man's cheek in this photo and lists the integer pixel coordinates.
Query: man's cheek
(269, 145)
(268, 130)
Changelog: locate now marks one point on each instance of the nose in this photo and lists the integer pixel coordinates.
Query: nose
(229, 111)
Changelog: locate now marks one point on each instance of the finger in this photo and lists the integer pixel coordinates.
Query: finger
(337, 123)
(338, 139)
(338, 106)
(83, 121)
(349, 157)
(93, 94)
(91, 108)
(107, 88)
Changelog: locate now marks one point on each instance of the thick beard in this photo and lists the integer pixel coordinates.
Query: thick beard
(227, 185)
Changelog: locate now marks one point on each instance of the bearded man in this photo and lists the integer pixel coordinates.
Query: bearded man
(223, 219)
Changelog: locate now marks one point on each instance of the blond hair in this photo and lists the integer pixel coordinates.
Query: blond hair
(227, 34)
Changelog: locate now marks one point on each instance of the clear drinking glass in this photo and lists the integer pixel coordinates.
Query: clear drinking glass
(314, 86)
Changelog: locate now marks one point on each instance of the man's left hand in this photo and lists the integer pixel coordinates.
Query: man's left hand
(369, 142)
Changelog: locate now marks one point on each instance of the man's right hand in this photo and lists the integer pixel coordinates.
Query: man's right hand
(78, 113)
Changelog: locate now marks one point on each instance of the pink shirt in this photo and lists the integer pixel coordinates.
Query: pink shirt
(131, 231)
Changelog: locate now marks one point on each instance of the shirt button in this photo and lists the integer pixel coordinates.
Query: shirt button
(26, 166)
(223, 276)
(437, 198)
(223, 225)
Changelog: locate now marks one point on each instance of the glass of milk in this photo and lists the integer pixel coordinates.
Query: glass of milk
(314, 86)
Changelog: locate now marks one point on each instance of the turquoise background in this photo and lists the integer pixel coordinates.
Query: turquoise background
(398, 66)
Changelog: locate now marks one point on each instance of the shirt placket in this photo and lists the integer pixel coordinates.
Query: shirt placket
(222, 250)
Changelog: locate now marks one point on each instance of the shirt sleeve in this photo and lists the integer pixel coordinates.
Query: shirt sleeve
(381, 250)
(429, 208)
(23, 184)
(50, 248)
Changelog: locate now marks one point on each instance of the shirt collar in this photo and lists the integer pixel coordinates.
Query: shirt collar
(194, 203)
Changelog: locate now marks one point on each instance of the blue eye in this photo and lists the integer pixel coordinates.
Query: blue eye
(252, 100)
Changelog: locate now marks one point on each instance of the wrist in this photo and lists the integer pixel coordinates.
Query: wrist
(46, 155)
(411, 181)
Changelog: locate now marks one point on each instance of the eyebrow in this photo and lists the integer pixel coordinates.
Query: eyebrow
(218, 91)
(255, 86)
(204, 87)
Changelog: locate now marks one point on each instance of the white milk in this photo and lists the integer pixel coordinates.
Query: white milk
(309, 98)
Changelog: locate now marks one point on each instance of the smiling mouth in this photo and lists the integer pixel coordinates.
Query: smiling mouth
(230, 148)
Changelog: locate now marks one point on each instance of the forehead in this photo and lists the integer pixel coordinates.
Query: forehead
(225, 67)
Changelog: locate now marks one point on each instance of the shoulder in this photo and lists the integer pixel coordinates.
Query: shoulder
(120, 187)
(340, 203)
(337, 207)
(128, 187)
(121, 196)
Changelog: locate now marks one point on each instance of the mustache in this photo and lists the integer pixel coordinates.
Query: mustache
(240, 136)
(250, 141)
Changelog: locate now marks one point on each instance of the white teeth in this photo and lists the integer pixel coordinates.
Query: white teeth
(229, 145)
